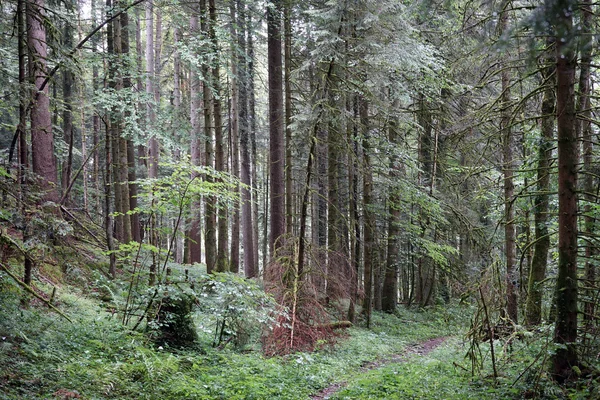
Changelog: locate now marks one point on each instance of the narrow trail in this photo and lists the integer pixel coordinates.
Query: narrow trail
(419, 349)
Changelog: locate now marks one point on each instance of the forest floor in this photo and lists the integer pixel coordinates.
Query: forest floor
(412, 354)
(419, 349)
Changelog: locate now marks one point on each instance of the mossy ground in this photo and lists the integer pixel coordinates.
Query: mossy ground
(42, 356)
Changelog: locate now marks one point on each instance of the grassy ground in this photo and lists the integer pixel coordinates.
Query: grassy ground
(42, 356)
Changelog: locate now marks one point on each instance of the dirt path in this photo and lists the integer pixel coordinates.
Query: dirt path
(420, 349)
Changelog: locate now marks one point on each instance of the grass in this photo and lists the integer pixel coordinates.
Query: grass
(42, 356)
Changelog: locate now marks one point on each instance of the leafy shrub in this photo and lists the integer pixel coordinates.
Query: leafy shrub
(239, 308)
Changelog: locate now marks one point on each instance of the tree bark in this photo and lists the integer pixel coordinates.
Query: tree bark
(222, 221)
(42, 141)
(123, 163)
(276, 134)
(390, 282)
(248, 242)
(508, 169)
(289, 198)
(252, 118)
(585, 133)
(565, 332)
(353, 178)
(533, 311)
(68, 130)
(234, 132)
(194, 238)
(369, 219)
(108, 219)
(151, 92)
(210, 235)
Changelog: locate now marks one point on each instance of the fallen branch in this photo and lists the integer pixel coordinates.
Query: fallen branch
(64, 209)
(9, 240)
(31, 291)
(336, 325)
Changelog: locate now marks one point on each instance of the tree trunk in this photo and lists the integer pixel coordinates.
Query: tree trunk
(565, 333)
(510, 244)
(42, 141)
(369, 221)
(223, 236)
(252, 127)
(23, 153)
(234, 133)
(276, 134)
(248, 242)
(210, 238)
(152, 161)
(150, 92)
(533, 312)
(123, 163)
(139, 83)
(180, 232)
(68, 130)
(194, 238)
(96, 117)
(356, 255)
(585, 134)
(127, 151)
(289, 198)
(390, 282)
(423, 265)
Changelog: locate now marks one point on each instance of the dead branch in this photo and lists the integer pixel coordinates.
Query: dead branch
(32, 292)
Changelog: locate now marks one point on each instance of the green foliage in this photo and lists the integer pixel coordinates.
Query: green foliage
(97, 357)
(239, 308)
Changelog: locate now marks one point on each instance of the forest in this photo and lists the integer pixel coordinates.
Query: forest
(345, 199)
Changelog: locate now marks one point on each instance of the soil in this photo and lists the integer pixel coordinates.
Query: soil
(419, 349)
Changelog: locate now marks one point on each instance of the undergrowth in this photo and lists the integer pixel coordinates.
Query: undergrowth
(444, 374)
(42, 356)
(96, 357)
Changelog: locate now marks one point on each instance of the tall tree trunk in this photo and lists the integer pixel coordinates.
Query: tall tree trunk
(23, 153)
(151, 122)
(123, 164)
(127, 146)
(289, 198)
(179, 240)
(176, 92)
(510, 243)
(234, 131)
(223, 236)
(537, 273)
(68, 130)
(82, 116)
(248, 242)
(585, 133)
(369, 216)
(423, 265)
(334, 219)
(210, 236)
(151, 91)
(42, 141)
(194, 238)
(96, 116)
(565, 333)
(23, 94)
(139, 83)
(276, 134)
(252, 118)
(390, 282)
(355, 222)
